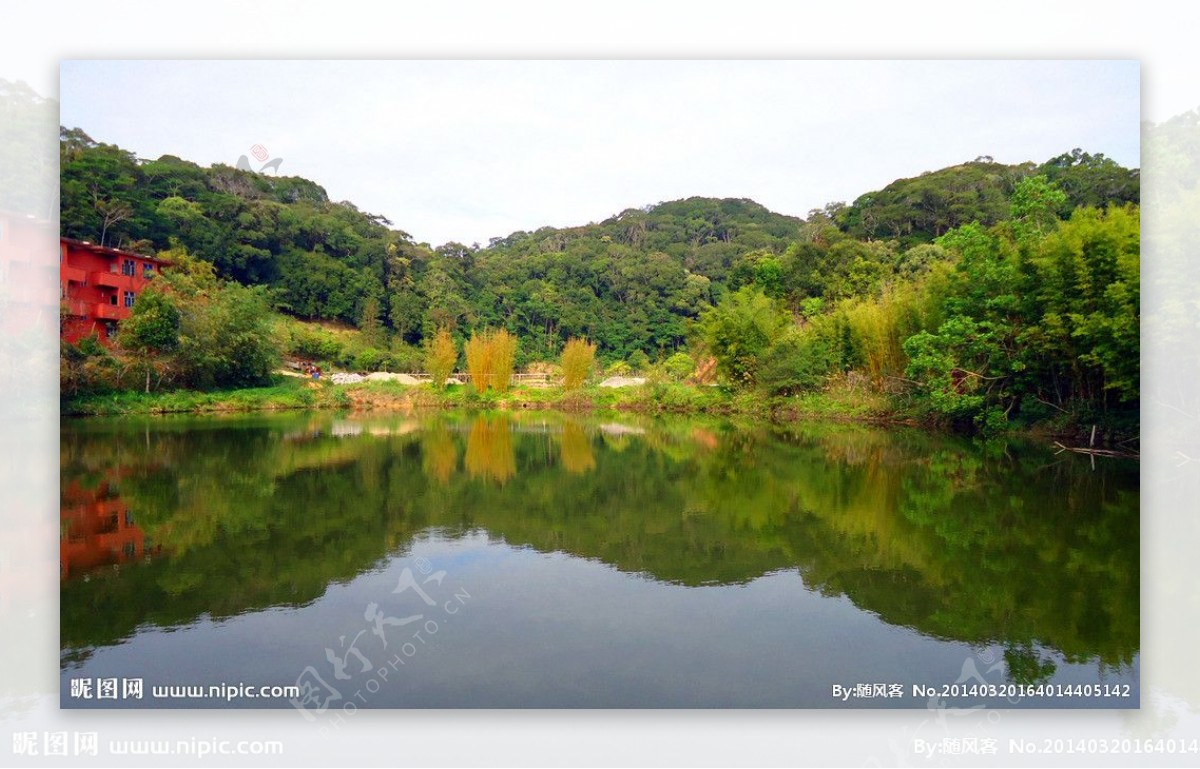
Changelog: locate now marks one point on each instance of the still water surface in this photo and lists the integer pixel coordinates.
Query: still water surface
(542, 560)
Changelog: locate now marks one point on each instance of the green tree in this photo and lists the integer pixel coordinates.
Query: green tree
(680, 366)
(151, 329)
(1035, 204)
(368, 323)
(1091, 181)
(969, 366)
(740, 330)
(1082, 299)
(1037, 314)
(638, 360)
(795, 363)
(226, 338)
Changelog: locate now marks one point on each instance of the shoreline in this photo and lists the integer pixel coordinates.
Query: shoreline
(291, 394)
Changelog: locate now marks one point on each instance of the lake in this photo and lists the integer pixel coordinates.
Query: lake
(331, 562)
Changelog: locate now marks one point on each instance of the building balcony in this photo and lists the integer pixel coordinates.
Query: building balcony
(78, 307)
(112, 280)
(74, 274)
(110, 312)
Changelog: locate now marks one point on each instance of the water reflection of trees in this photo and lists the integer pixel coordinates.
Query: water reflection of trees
(439, 453)
(970, 543)
(576, 447)
(490, 449)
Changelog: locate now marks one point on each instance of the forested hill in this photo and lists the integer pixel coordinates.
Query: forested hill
(920, 209)
(631, 282)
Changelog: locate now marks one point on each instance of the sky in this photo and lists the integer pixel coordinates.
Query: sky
(470, 150)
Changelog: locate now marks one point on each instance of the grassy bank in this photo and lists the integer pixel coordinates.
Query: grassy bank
(667, 398)
(673, 398)
(289, 393)
(831, 404)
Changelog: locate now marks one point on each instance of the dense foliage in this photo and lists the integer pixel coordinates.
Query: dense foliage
(983, 291)
(928, 206)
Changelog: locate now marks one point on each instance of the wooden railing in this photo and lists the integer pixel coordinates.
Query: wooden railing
(525, 379)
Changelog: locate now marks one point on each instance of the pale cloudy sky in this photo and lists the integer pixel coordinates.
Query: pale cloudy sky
(471, 150)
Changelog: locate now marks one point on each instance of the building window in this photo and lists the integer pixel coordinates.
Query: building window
(113, 300)
(147, 270)
(128, 267)
(128, 298)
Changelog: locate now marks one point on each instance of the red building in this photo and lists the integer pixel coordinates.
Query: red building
(98, 285)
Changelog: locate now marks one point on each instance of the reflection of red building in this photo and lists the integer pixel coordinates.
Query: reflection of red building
(26, 274)
(97, 529)
(98, 286)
